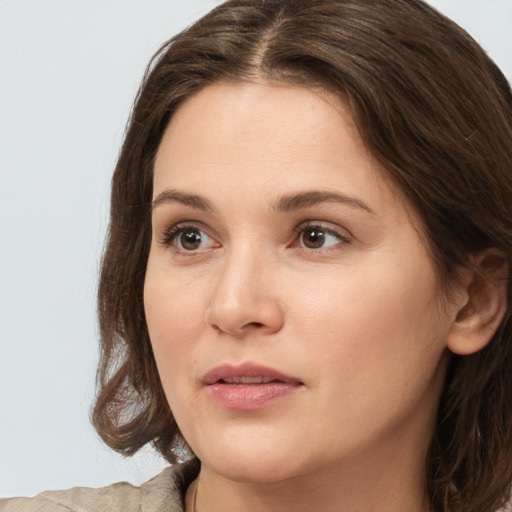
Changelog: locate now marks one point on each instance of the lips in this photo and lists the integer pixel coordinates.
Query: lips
(248, 380)
(245, 371)
(248, 386)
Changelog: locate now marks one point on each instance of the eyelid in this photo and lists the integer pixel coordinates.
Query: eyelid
(324, 224)
(343, 234)
(168, 235)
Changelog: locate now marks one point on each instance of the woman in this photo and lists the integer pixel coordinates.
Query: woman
(305, 287)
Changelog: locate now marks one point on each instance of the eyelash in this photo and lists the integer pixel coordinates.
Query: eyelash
(171, 235)
(343, 238)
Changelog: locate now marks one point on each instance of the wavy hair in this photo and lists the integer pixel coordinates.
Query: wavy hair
(432, 108)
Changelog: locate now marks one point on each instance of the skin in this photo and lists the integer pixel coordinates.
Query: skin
(358, 318)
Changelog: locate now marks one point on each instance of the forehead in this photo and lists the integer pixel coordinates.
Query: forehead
(239, 123)
(268, 139)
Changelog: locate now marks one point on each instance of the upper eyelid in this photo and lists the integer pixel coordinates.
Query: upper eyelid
(170, 232)
(169, 235)
(327, 225)
(183, 224)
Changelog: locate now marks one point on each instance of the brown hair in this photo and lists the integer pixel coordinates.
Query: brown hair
(432, 108)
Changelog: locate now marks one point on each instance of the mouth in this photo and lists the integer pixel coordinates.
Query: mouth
(248, 386)
(247, 373)
(244, 380)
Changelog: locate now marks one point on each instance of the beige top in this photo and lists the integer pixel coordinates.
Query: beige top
(163, 493)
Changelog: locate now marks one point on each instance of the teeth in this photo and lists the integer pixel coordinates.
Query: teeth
(247, 380)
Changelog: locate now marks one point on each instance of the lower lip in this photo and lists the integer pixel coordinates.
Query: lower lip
(249, 397)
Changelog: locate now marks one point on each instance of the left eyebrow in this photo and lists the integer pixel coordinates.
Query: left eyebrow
(314, 197)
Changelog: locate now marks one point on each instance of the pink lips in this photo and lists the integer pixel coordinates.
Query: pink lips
(248, 386)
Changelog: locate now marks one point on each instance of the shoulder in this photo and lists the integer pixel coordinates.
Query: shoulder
(164, 492)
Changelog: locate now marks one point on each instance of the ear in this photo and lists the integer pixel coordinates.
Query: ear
(484, 303)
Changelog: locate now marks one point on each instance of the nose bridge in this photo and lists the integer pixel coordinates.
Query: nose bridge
(245, 295)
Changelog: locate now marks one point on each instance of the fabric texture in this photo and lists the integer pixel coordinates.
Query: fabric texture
(163, 493)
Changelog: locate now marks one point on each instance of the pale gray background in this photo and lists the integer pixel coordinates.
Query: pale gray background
(69, 70)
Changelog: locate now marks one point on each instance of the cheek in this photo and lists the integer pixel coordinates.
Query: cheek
(377, 322)
(366, 297)
(175, 318)
(374, 350)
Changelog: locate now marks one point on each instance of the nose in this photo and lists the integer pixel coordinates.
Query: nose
(245, 298)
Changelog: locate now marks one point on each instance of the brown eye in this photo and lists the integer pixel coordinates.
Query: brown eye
(320, 237)
(190, 239)
(313, 238)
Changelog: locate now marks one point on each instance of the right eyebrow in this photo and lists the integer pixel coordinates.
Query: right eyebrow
(175, 196)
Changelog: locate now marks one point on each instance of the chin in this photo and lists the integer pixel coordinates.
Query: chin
(262, 469)
(252, 458)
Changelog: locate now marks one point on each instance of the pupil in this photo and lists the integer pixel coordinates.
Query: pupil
(191, 240)
(314, 238)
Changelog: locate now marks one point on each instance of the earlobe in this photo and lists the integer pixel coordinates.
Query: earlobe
(482, 312)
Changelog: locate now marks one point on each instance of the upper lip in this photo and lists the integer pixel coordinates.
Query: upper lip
(248, 369)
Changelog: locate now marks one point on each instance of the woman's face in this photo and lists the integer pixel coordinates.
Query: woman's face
(292, 307)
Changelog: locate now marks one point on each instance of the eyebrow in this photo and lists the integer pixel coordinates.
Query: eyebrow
(175, 196)
(283, 204)
(314, 197)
